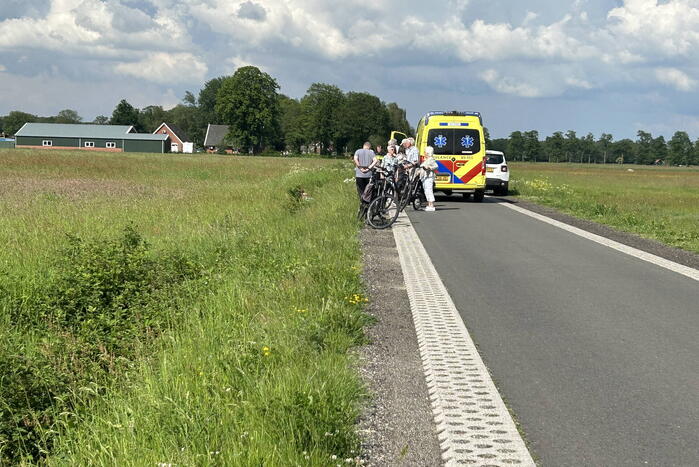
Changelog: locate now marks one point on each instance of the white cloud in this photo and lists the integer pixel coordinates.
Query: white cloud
(166, 68)
(578, 83)
(675, 78)
(530, 17)
(499, 41)
(301, 25)
(506, 85)
(94, 28)
(2, 68)
(669, 28)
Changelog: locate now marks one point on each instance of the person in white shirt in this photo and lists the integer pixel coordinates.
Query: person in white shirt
(411, 152)
(427, 175)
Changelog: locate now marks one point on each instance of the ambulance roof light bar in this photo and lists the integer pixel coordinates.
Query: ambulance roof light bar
(453, 113)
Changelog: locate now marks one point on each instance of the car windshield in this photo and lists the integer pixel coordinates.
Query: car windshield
(495, 159)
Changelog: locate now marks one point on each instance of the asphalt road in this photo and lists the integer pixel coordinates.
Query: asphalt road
(596, 352)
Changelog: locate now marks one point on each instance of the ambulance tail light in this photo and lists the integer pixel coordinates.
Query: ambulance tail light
(503, 168)
(483, 167)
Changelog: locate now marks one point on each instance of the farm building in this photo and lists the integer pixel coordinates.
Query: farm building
(108, 138)
(6, 143)
(178, 139)
(215, 135)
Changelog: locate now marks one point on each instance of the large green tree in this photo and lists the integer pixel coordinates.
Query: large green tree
(644, 148)
(292, 123)
(588, 148)
(554, 147)
(152, 117)
(680, 149)
(623, 151)
(515, 146)
(571, 145)
(126, 114)
(364, 118)
(207, 100)
(68, 116)
(532, 145)
(659, 149)
(398, 120)
(322, 106)
(604, 146)
(248, 102)
(15, 120)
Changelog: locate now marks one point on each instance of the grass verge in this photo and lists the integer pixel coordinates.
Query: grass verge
(661, 203)
(180, 310)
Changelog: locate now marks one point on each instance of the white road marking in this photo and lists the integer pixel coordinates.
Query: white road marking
(474, 425)
(631, 251)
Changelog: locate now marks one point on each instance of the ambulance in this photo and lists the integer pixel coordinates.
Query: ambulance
(459, 149)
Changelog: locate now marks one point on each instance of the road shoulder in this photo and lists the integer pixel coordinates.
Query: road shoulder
(398, 426)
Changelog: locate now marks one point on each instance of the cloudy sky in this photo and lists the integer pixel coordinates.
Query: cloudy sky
(589, 65)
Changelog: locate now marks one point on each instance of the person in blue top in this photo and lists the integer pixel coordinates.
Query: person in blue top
(390, 160)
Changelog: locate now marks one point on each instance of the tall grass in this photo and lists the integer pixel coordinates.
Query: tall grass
(661, 203)
(238, 357)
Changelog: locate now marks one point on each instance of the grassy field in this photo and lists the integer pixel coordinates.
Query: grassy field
(184, 310)
(656, 202)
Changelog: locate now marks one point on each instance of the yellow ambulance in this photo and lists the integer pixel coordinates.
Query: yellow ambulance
(459, 149)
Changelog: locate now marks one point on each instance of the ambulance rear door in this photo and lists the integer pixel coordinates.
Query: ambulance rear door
(454, 149)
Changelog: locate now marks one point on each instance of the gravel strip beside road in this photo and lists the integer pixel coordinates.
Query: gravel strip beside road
(398, 426)
(686, 258)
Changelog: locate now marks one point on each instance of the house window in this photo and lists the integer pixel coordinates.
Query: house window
(89, 144)
(47, 142)
(111, 145)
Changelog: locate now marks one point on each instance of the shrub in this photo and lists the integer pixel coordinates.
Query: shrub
(105, 298)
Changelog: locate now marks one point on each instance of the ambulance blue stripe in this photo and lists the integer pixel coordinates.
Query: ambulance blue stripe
(454, 179)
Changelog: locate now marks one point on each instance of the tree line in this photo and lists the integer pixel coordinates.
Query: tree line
(569, 147)
(326, 119)
(329, 120)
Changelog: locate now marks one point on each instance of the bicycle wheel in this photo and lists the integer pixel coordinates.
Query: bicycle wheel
(382, 212)
(418, 203)
(418, 198)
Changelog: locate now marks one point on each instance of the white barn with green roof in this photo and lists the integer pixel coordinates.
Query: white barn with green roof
(108, 138)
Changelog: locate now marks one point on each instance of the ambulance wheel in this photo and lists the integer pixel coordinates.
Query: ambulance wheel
(466, 196)
(478, 196)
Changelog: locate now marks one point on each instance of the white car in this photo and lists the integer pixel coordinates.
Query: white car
(497, 175)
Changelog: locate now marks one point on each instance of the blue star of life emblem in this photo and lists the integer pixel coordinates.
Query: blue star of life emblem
(440, 141)
(467, 141)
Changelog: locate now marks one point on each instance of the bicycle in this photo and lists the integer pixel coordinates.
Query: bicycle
(378, 207)
(412, 193)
